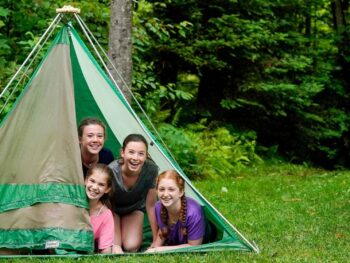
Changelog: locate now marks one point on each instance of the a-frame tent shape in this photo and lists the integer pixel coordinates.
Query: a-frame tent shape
(42, 196)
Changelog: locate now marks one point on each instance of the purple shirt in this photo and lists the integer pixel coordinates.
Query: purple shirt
(195, 224)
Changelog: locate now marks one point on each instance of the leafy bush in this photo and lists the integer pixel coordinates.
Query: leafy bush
(205, 152)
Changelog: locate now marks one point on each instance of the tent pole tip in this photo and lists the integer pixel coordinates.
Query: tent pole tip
(68, 9)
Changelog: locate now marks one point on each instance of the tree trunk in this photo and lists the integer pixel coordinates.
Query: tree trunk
(338, 14)
(120, 44)
(339, 8)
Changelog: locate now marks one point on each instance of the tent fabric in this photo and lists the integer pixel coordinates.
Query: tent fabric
(33, 227)
(40, 162)
(40, 157)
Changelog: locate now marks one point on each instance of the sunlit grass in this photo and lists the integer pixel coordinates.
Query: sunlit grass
(293, 213)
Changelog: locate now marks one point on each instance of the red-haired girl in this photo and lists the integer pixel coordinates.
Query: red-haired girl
(180, 219)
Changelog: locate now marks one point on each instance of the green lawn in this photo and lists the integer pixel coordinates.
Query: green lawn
(293, 214)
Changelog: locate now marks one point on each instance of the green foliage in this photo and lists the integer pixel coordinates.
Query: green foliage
(157, 99)
(23, 22)
(163, 102)
(270, 65)
(181, 147)
(210, 152)
(273, 67)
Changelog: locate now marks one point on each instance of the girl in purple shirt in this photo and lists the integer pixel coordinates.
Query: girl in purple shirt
(180, 219)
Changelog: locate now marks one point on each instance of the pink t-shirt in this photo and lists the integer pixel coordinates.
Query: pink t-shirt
(103, 227)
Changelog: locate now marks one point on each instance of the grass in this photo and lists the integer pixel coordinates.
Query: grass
(293, 213)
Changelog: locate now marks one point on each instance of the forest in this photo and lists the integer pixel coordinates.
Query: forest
(228, 84)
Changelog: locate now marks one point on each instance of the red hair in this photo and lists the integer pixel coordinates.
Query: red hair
(173, 175)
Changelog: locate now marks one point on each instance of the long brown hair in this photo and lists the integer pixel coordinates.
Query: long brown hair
(172, 174)
(103, 168)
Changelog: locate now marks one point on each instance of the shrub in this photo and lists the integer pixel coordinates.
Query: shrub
(205, 152)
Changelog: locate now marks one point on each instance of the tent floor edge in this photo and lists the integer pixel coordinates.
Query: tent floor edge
(47, 239)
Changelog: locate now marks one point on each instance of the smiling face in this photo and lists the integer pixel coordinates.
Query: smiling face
(169, 193)
(96, 185)
(134, 155)
(92, 139)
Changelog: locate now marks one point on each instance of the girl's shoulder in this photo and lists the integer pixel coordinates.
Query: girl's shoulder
(192, 201)
(151, 165)
(114, 164)
(158, 205)
(105, 216)
(193, 207)
(106, 212)
(115, 167)
(150, 169)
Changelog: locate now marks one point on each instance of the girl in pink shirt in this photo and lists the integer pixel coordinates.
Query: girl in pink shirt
(98, 187)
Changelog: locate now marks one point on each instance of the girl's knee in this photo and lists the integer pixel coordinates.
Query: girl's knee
(132, 245)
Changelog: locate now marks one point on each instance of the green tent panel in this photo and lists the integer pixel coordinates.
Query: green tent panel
(43, 202)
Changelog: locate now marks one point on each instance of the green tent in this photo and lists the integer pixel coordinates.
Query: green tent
(43, 203)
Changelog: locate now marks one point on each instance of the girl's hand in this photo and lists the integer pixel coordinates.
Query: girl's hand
(151, 250)
(116, 249)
